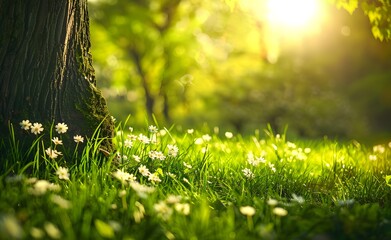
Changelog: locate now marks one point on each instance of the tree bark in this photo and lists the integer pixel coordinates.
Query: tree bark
(46, 72)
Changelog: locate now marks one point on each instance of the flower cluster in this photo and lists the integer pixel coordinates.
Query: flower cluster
(173, 203)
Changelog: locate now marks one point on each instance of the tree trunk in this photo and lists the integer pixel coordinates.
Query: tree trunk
(46, 72)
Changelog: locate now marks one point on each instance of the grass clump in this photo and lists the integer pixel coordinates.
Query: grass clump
(187, 184)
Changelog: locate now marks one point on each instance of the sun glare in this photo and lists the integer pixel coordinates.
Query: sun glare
(292, 15)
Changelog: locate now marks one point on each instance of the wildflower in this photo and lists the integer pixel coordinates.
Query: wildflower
(248, 173)
(172, 150)
(228, 135)
(280, 211)
(61, 202)
(187, 165)
(255, 161)
(156, 155)
(271, 165)
(298, 199)
(307, 150)
(61, 128)
(186, 180)
(57, 141)
(144, 139)
(144, 170)
(162, 132)
(206, 137)
(124, 176)
(141, 190)
(52, 230)
(78, 139)
(152, 129)
(172, 199)
(190, 131)
(154, 178)
(379, 149)
(198, 141)
(121, 158)
(36, 128)
(136, 158)
(130, 129)
(25, 124)
(139, 213)
(42, 186)
(52, 153)
(372, 157)
(113, 119)
(247, 210)
(172, 175)
(132, 137)
(389, 144)
(62, 173)
(163, 210)
(128, 143)
(272, 202)
(183, 208)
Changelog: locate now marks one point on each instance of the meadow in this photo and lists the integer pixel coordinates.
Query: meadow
(193, 184)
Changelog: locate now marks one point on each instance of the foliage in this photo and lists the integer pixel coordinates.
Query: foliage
(198, 184)
(234, 72)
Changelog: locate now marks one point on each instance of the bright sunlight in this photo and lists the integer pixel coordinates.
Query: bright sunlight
(292, 15)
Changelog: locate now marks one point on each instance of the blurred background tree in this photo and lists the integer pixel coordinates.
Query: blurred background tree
(191, 62)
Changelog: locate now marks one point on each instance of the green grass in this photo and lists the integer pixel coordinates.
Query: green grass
(330, 190)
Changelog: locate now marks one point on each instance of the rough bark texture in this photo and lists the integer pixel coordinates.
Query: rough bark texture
(46, 72)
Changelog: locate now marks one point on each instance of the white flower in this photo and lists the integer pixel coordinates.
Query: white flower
(272, 202)
(78, 139)
(36, 128)
(136, 158)
(154, 178)
(144, 139)
(280, 211)
(190, 131)
(172, 150)
(198, 141)
(61, 128)
(42, 186)
(187, 165)
(144, 170)
(248, 173)
(206, 137)
(372, 157)
(228, 135)
(172, 199)
(63, 203)
(153, 129)
(247, 210)
(183, 208)
(128, 143)
(62, 173)
(379, 149)
(163, 210)
(124, 176)
(298, 199)
(25, 124)
(57, 141)
(52, 153)
(141, 190)
(156, 155)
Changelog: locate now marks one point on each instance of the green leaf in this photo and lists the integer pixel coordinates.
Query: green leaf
(104, 229)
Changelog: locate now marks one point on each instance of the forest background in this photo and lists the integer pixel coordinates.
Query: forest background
(197, 63)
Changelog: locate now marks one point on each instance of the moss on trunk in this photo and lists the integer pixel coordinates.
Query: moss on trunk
(46, 69)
